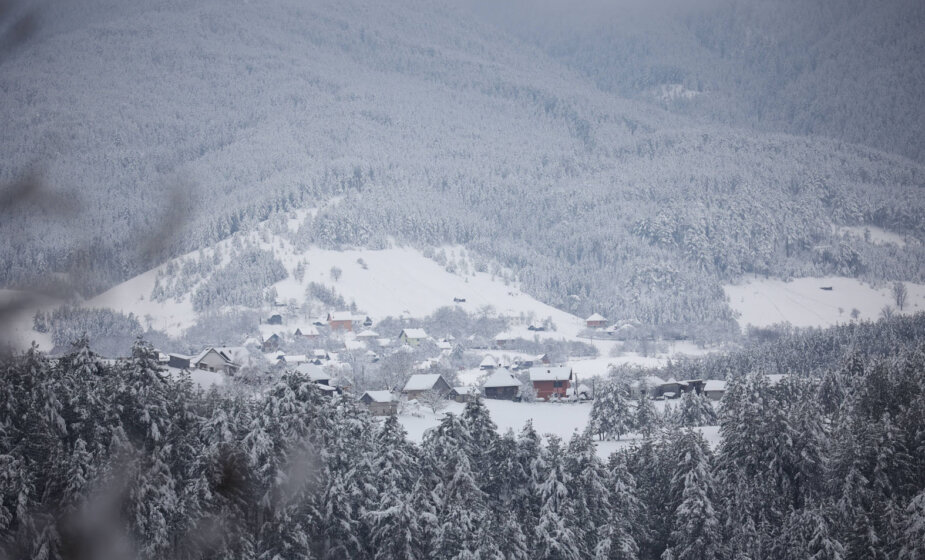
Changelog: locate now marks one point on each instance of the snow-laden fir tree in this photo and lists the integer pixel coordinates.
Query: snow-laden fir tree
(696, 530)
(555, 532)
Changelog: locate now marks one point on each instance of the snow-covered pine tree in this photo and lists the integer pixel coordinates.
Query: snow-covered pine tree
(696, 532)
(590, 492)
(555, 532)
(646, 417)
(395, 529)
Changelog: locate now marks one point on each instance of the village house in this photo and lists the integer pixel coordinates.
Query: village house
(271, 343)
(489, 363)
(380, 403)
(308, 331)
(714, 389)
(315, 373)
(319, 356)
(412, 337)
(671, 389)
(501, 385)
(502, 340)
(551, 380)
(220, 359)
(367, 335)
(421, 383)
(275, 320)
(340, 321)
(596, 321)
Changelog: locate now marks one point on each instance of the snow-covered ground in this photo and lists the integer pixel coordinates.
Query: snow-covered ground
(397, 282)
(877, 236)
(803, 303)
(561, 419)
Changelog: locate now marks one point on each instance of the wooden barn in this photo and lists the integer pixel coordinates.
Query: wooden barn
(501, 385)
(421, 383)
(380, 403)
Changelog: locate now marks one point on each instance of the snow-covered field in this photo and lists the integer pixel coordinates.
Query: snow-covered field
(803, 303)
(561, 419)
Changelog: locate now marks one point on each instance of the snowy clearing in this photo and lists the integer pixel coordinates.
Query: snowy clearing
(803, 302)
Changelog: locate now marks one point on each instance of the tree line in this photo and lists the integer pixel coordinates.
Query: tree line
(102, 458)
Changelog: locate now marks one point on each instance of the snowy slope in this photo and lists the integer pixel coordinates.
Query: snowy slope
(803, 303)
(397, 282)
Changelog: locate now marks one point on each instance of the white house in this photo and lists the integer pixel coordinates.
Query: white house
(412, 337)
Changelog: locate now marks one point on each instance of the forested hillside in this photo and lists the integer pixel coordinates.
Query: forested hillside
(845, 69)
(190, 121)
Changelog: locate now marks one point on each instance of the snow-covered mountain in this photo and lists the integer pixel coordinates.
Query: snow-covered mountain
(172, 125)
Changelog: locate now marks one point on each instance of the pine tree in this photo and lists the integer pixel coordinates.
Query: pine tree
(618, 540)
(646, 419)
(696, 528)
(589, 490)
(555, 531)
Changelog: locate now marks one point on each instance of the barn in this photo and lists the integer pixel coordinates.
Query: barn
(380, 403)
(421, 383)
(501, 385)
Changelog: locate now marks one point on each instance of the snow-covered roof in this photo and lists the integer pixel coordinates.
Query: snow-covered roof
(489, 361)
(505, 336)
(319, 353)
(444, 345)
(305, 329)
(314, 372)
(501, 378)
(466, 390)
(550, 373)
(414, 333)
(422, 381)
(368, 333)
(235, 355)
(714, 385)
(673, 381)
(295, 358)
(340, 316)
(380, 396)
(596, 317)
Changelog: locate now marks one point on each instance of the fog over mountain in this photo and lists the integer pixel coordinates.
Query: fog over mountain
(618, 158)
